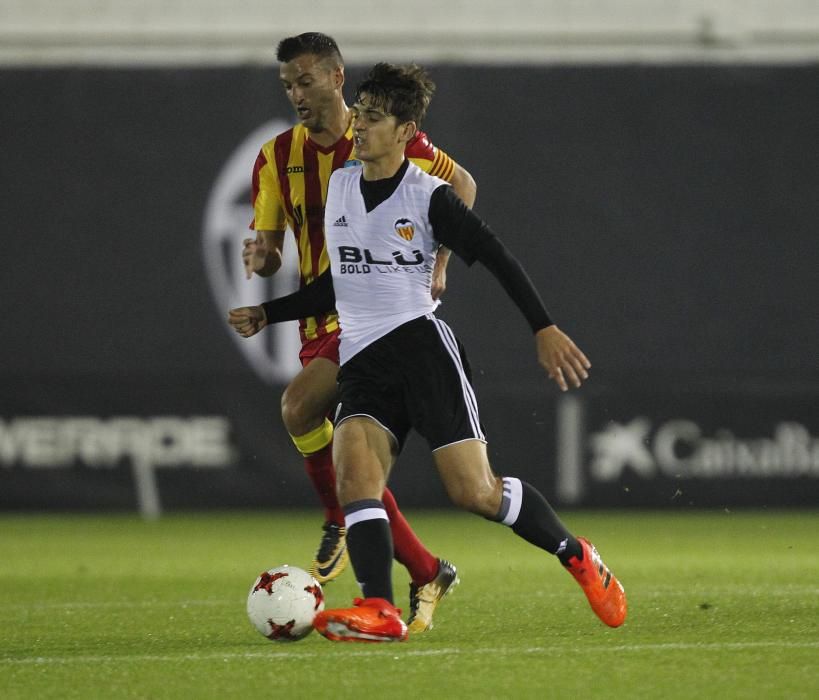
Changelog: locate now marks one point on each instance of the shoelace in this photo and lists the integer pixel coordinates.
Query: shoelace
(414, 600)
(328, 541)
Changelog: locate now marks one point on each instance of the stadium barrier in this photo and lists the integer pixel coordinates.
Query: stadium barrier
(667, 213)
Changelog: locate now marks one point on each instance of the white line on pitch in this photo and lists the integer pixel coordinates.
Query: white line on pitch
(704, 591)
(404, 651)
(124, 604)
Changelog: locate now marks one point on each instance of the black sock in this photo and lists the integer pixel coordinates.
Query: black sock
(369, 542)
(531, 517)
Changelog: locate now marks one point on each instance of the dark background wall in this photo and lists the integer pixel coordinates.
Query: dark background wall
(667, 213)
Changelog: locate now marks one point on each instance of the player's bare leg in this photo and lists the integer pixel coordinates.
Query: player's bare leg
(468, 478)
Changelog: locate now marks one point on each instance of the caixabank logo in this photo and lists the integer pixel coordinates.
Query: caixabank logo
(775, 442)
(680, 448)
(273, 354)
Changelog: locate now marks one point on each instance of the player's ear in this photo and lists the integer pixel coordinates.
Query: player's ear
(408, 131)
(338, 77)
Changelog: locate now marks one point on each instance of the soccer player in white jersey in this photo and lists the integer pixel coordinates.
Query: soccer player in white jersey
(402, 368)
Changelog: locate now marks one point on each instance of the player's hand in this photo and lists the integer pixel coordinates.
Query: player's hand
(439, 273)
(253, 256)
(260, 255)
(247, 320)
(561, 358)
(438, 281)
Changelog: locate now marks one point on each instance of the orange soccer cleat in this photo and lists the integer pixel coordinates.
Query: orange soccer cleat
(369, 620)
(604, 592)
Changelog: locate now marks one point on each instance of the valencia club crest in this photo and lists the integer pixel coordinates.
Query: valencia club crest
(405, 228)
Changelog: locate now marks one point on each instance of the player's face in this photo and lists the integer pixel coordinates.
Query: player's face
(377, 134)
(312, 86)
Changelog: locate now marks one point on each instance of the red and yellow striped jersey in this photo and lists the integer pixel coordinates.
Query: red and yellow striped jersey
(289, 189)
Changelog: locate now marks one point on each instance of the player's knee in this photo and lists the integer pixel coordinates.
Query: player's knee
(479, 499)
(354, 485)
(297, 412)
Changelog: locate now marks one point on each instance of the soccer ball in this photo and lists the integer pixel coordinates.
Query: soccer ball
(282, 603)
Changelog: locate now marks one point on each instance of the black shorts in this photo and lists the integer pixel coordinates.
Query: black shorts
(416, 376)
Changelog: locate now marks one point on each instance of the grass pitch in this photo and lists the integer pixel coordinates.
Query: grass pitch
(721, 605)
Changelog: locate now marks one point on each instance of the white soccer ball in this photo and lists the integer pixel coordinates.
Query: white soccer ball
(283, 602)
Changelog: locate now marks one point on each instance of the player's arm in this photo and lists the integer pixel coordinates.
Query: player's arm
(263, 254)
(313, 299)
(437, 162)
(465, 187)
(459, 228)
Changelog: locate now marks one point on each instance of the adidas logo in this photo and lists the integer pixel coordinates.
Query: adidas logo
(341, 221)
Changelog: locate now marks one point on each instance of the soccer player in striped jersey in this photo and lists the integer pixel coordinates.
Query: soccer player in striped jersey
(289, 190)
(402, 368)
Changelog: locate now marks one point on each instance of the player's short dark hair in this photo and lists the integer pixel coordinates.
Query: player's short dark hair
(314, 43)
(402, 91)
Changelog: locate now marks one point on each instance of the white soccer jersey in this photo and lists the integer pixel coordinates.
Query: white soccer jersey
(381, 261)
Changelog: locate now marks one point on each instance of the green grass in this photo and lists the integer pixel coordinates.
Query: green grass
(722, 605)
